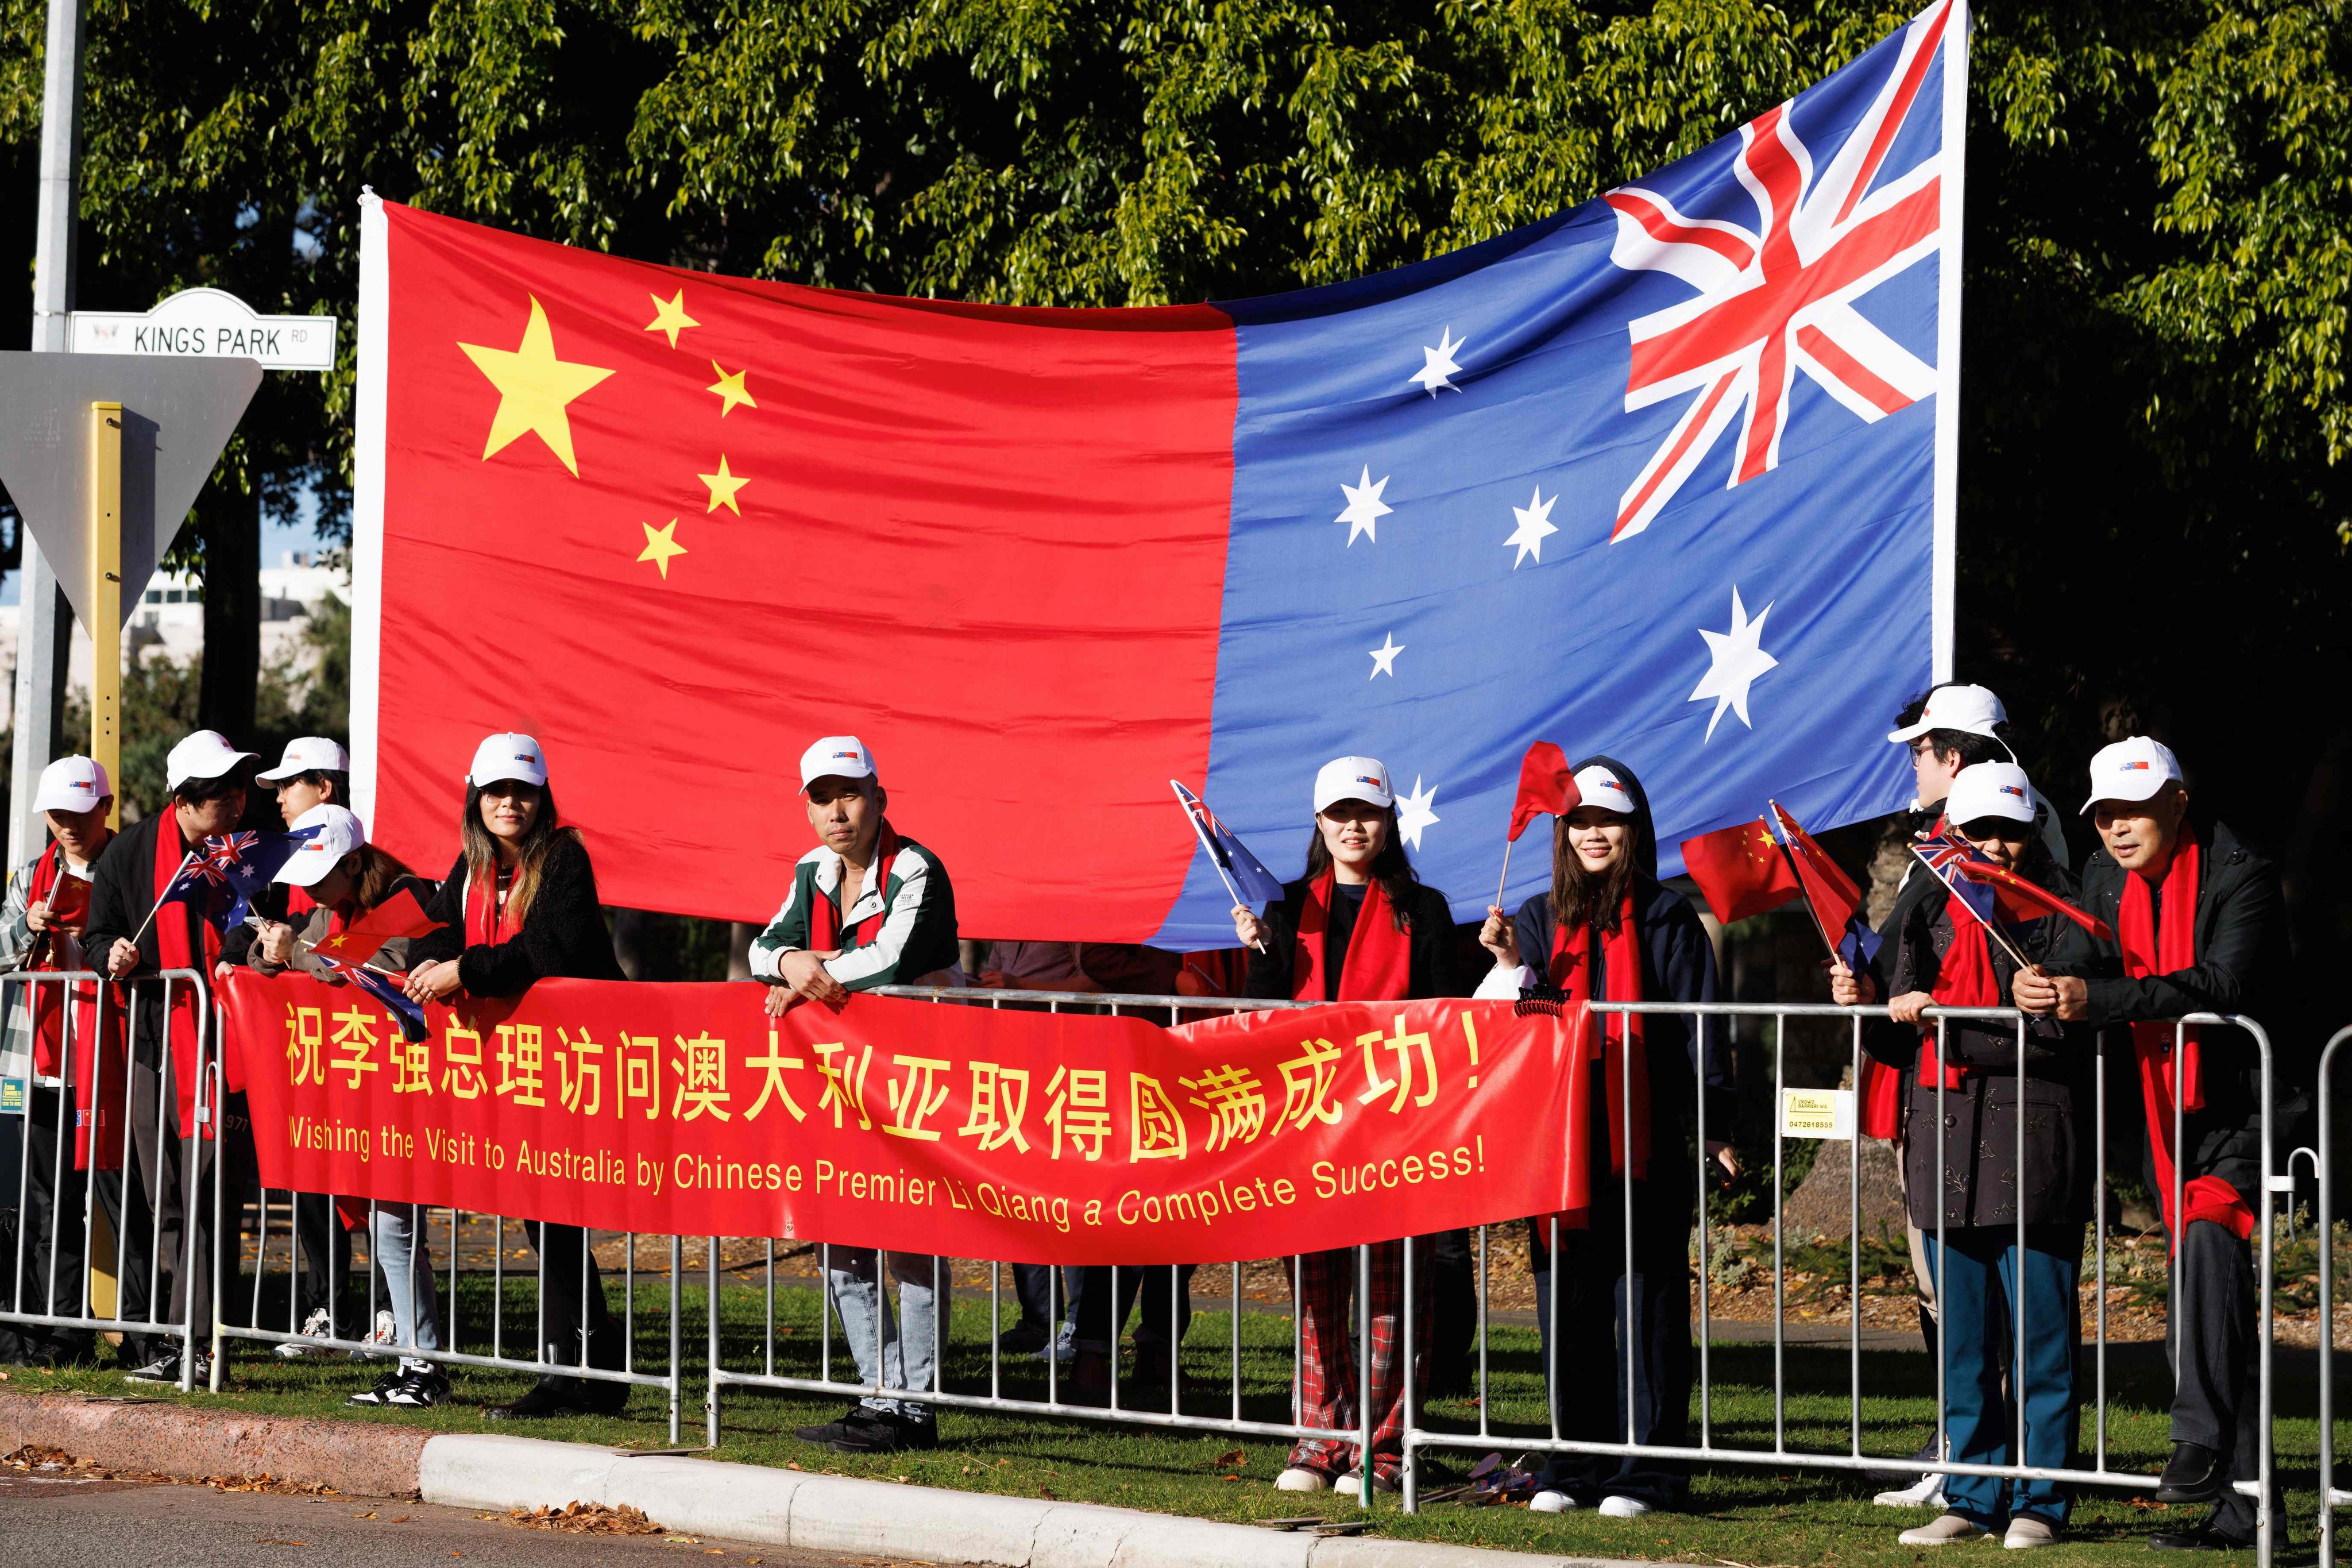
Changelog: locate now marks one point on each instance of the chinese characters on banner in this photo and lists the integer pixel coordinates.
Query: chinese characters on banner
(915, 1126)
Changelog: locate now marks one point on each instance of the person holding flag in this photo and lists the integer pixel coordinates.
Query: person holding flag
(1360, 926)
(41, 925)
(1608, 929)
(1967, 1174)
(143, 920)
(2200, 920)
(866, 907)
(520, 906)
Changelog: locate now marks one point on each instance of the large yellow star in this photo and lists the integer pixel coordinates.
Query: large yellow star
(533, 387)
(730, 389)
(669, 315)
(723, 486)
(661, 543)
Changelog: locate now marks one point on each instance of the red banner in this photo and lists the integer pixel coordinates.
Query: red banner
(920, 1127)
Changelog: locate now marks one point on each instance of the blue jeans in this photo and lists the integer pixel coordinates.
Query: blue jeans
(408, 1276)
(1980, 1279)
(907, 1338)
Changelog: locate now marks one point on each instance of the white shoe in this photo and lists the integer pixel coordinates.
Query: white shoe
(1295, 1479)
(1928, 1491)
(1551, 1502)
(2025, 1532)
(1622, 1507)
(314, 1327)
(1349, 1486)
(384, 1333)
(1950, 1527)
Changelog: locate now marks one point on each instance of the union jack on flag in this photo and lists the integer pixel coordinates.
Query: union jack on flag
(1251, 881)
(222, 875)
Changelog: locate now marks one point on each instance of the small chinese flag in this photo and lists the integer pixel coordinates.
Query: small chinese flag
(1836, 900)
(398, 916)
(2019, 901)
(1546, 787)
(1740, 870)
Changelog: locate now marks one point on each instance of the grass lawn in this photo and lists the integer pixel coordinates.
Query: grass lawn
(1739, 1516)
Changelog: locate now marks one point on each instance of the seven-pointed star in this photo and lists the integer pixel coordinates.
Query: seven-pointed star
(669, 315)
(1413, 812)
(1737, 658)
(1535, 526)
(1384, 657)
(533, 387)
(1437, 363)
(661, 543)
(1365, 507)
(723, 486)
(730, 389)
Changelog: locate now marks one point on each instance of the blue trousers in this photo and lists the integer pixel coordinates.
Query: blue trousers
(1982, 1278)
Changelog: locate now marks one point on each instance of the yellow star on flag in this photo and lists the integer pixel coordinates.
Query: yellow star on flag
(723, 486)
(533, 387)
(669, 315)
(730, 389)
(661, 543)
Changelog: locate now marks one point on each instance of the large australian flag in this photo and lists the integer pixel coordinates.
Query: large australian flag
(1668, 475)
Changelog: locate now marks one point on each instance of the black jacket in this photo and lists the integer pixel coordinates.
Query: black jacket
(2245, 963)
(1429, 923)
(123, 890)
(564, 935)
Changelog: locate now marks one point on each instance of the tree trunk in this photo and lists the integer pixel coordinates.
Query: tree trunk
(232, 669)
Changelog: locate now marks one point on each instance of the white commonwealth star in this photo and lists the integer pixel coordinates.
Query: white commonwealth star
(1437, 363)
(1364, 507)
(1384, 657)
(1535, 526)
(1413, 812)
(1738, 657)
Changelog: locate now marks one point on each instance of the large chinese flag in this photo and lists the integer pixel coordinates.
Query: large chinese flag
(1670, 473)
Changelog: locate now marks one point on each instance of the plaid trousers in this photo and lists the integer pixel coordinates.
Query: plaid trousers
(1327, 1355)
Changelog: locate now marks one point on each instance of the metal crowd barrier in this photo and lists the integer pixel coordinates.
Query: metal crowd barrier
(146, 1168)
(2331, 1496)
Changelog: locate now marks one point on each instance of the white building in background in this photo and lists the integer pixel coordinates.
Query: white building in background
(169, 622)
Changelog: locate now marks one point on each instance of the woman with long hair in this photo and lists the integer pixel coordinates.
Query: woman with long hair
(520, 906)
(1607, 930)
(1360, 926)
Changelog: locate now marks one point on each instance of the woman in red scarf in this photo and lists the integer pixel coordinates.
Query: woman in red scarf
(1609, 931)
(520, 906)
(1358, 927)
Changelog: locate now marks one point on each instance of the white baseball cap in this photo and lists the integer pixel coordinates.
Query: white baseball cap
(1602, 787)
(338, 834)
(507, 756)
(1353, 778)
(71, 783)
(306, 755)
(2131, 769)
(836, 757)
(1989, 789)
(207, 754)
(1971, 710)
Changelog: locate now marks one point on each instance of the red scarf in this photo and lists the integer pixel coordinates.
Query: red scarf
(825, 934)
(1379, 963)
(485, 913)
(175, 951)
(1617, 1047)
(1964, 979)
(48, 1009)
(2162, 1077)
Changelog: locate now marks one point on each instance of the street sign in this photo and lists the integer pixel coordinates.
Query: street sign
(177, 414)
(206, 323)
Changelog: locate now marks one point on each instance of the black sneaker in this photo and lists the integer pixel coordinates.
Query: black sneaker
(865, 1430)
(379, 1394)
(2203, 1538)
(2195, 1474)
(165, 1369)
(851, 1424)
(418, 1389)
(1023, 1338)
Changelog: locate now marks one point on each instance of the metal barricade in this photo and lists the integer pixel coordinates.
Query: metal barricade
(2331, 1496)
(138, 1176)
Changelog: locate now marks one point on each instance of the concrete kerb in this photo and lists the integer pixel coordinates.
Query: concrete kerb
(743, 1503)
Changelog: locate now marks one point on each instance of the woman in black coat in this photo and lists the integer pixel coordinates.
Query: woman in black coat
(521, 906)
(1605, 895)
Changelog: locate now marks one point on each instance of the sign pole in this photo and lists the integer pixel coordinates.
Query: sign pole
(106, 596)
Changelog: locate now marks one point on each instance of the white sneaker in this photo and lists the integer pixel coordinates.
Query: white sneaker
(2025, 1532)
(1622, 1507)
(1950, 1527)
(386, 1332)
(1295, 1479)
(1928, 1491)
(314, 1327)
(1551, 1502)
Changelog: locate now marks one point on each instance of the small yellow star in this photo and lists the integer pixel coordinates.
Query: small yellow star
(533, 387)
(723, 486)
(730, 389)
(669, 315)
(661, 543)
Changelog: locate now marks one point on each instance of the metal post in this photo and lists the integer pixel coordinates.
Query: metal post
(2327, 1493)
(106, 596)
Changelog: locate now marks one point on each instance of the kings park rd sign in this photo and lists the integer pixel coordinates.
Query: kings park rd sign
(206, 323)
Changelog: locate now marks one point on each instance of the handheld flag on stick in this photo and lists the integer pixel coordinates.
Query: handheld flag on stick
(2019, 901)
(1241, 871)
(221, 877)
(1547, 789)
(1830, 893)
(385, 988)
(1944, 856)
(1741, 871)
(401, 915)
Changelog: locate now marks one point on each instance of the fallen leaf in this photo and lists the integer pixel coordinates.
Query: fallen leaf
(1229, 1459)
(1046, 1492)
